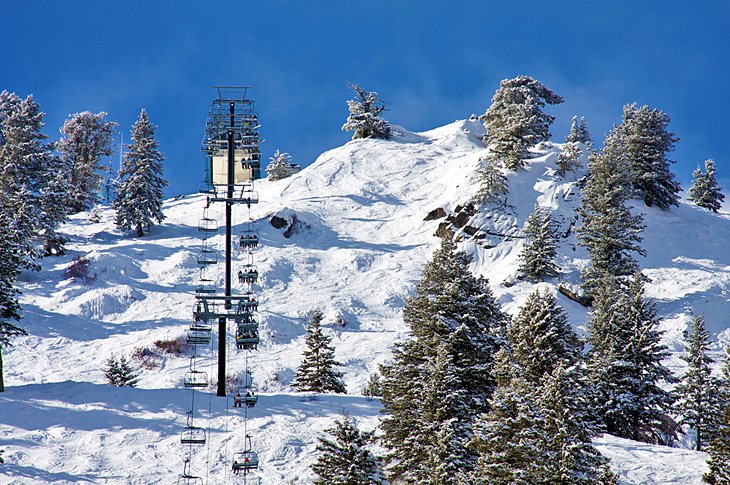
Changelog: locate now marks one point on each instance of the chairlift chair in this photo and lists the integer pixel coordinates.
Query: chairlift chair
(248, 304)
(247, 460)
(198, 337)
(247, 336)
(207, 256)
(248, 240)
(207, 225)
(192, 435)
(248, 274)
(247, 396)
(187, 478)
(195, 378)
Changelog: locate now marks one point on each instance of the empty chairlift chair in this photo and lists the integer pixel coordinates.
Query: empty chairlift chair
(195, 378)
(192, 435)
(248, 240)
(187, 478)
(208, 225)
(247, 460)
(248, 274)
(207, 255)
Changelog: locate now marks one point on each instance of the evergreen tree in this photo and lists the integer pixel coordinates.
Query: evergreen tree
(700, 402)
(139, 194)
(85, 138)
(574, 133)
(54, 209)
(646, 143)
(372, 388)
(626, 361)
(364, 118)
(440, 380)
(719, 450)
(515, 120)
(537, 257)
(316, 372)
(493, 184)
(119, 373)
(9, 306)
(569, 158)
(704, 191)
(279, 166)
(345, 459)
(541, 338)
(609, 232)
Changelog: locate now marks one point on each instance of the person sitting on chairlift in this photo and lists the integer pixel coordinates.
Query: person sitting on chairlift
(237, 400)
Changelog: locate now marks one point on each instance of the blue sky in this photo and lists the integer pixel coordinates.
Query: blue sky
(433, 62)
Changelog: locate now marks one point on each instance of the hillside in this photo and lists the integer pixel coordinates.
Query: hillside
(358, 245)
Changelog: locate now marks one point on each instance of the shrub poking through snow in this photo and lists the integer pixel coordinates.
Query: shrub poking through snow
(176, 346)
(80, 269)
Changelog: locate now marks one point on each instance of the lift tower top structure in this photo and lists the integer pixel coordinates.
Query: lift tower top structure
(231, 146)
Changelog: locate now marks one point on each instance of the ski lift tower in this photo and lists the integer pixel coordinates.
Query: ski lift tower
(231, 146)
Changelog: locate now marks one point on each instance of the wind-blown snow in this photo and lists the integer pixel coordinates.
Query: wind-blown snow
(359, 245)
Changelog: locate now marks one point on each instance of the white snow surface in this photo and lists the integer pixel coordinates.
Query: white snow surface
(357, 250)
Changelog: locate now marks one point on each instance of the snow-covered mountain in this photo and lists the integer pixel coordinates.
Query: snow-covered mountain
(354, 243)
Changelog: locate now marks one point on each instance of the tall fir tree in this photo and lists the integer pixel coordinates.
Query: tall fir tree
(493, 185)
(279, 166)
(537, 257)
(608, 230)
(317, 371)
(139, 194)
(646, 142)
(515, 120)
(704, 191)
(719, 450)
(584, 136)
(54, 208)
(10, 312)
(541, 338)
(440, 380)
(625, 361)
(344, 459)
(119, 372)
(86, 138)
(569, 159)
(574, 133)
(364, 118)
(700, 398)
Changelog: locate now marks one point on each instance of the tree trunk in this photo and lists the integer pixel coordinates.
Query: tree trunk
(140, 233)
(2, 381)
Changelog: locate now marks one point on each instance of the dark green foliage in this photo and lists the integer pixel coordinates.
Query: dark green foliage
(704, 191)
(515, 120)
(493, 185)
(625, 361)
(700, 400)
(440, 381)
(372, 388)
(139, 194)
(345, 459)
(646, 142)
(719, 451)
(365, 109)
(608, 231)
(316, 372)
(569, 159)
(119, 373)
(537, 258)
(541, 338)
(579, 132)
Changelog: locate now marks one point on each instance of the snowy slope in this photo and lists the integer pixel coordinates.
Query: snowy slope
(357, 249)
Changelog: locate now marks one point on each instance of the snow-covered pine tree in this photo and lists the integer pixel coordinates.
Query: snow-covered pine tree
(515, 121)
(626, 360)
(345, 459)
(584, 136)
(372, 388)
(573, 134)
(541, 338)
(364, 118)
(608, 230)
(493, 185)
(279, 166)
(119, 373)
(9, 306)
(704, 191)
(86, 137)
(139, 194)
(719, 450)
(700, 402)
(646, 143)
(54, 208)
(24, 161)
(453, 313)
(569, 158)
(317, 371)
(537, 257)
